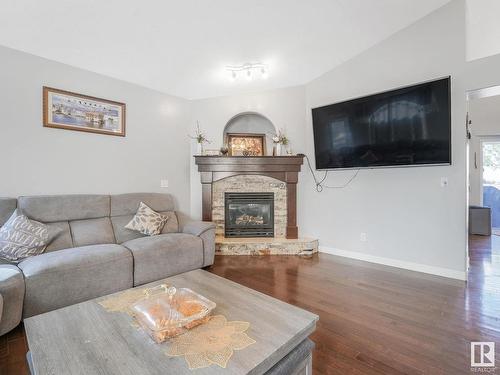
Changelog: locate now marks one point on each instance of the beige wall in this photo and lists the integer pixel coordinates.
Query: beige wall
(38, 160)
(410, 221)
(482, 28)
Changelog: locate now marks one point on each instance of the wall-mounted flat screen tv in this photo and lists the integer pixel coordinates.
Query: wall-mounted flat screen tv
(410, 126)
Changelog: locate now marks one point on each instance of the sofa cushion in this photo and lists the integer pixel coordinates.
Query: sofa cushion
(7, 207)
(69, 276)
(147, 221)
(127, 204)
(172, 224)
(164, 255)
(52, 208)
(92, 232)
(123, 234)
(63, 239)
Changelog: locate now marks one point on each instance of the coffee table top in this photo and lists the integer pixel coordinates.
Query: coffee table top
(87, 339)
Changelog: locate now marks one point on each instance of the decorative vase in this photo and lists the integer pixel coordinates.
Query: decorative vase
(199, 148)
(277, 149)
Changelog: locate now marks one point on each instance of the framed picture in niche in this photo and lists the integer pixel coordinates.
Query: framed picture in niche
(246, 144)
(72, 111)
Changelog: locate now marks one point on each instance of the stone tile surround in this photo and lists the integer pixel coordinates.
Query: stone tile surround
(250, 184)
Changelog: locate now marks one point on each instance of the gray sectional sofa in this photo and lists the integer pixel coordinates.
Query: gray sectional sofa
(94, 254)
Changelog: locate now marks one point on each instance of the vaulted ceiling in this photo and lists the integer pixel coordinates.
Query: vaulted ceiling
(181, 47)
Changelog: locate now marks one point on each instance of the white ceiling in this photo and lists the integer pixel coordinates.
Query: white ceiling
(181, 47)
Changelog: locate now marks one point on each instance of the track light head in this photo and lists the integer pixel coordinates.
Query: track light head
(248, 70)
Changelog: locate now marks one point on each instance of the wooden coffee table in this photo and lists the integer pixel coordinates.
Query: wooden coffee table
(87, 339)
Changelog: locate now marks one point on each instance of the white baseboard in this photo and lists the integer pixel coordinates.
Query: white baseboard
(445, 272)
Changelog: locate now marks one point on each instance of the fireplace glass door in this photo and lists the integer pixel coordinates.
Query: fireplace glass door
(249, 214)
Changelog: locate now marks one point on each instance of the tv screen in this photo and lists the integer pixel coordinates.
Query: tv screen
(409, 126)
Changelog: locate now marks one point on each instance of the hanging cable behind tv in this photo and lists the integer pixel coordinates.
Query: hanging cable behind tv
(320, 184)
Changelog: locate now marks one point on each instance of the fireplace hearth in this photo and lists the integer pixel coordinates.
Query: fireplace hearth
(249, 214)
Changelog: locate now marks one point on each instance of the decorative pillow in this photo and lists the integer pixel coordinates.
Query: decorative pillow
(147, 221)
(21, 238)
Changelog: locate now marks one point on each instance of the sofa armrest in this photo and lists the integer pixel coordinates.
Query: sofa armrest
(206, 231)
(12, 293)
(197, 228)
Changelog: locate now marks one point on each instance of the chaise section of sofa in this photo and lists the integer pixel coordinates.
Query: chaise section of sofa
(93, 254)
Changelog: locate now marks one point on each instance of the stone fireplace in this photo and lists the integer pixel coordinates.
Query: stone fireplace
(252, 201)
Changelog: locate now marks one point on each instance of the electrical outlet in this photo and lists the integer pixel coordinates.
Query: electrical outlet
(444, 182)
(164, 183)
(362, 237)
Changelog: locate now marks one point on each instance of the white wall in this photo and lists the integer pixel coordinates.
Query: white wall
(485, 116)
(482, 28)
(283, 107)
(409, 219)
(38, 160)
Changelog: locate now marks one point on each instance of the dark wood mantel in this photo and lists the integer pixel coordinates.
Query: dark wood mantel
(283, 168)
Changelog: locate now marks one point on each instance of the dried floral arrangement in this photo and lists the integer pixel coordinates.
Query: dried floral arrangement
(281, 138)
(199, 135)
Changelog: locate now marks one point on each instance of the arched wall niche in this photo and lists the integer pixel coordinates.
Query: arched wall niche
(251, 123)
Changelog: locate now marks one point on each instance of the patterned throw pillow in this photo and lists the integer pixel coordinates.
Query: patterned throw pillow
(147, 221)
(21, 238)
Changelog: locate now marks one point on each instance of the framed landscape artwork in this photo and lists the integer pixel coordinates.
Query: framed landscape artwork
(246, 144)
(68, 110)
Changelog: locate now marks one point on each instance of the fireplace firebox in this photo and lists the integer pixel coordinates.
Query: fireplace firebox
(249, 215)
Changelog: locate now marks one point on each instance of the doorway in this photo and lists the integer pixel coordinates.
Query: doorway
(484, 161)
(490, 179)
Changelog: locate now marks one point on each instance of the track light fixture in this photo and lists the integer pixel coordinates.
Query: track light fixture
(248, 70)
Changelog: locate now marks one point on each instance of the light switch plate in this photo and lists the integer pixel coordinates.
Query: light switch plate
(164, 183)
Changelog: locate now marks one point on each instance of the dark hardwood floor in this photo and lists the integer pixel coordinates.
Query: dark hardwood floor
(373, 319)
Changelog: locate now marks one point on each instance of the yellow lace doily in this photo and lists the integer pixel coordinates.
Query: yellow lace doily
(123, 301)
(211, 343)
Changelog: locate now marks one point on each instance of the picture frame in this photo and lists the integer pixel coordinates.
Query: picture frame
(72, 111)
(246, 144)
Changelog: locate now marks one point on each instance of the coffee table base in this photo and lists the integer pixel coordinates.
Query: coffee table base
(297, 362)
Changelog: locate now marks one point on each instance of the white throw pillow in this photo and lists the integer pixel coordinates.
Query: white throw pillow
(147, 221)
(21, 238)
